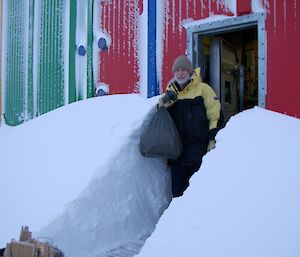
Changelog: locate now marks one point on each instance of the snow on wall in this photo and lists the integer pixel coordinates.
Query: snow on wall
(38, 85)
(142, 50)
(98, 34)
(177, 12)
(3, 49)
(282, 37)
(283, 22)
(231, 5)
(160, 18)
(258, 5)
(26, 61)
(36, 51)
(81, 41)
(119, 64)
(66, 38)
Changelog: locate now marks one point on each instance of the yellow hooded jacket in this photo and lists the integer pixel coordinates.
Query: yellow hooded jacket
(196, 113)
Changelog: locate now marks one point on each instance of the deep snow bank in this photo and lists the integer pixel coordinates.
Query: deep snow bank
(119, 208)
(75, 174)
(244, 200)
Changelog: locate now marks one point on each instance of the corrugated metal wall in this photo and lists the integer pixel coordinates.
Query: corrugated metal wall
(120, 20)
(176, 11)
(30, 91)
(36, 68)
(119, 64)
(50, 83)
(15, 74)
(72, 94)
(90, 40)
(283, 37)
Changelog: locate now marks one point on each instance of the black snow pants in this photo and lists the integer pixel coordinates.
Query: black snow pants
(181, 176)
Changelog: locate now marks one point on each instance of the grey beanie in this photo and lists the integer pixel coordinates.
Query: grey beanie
(184, 63)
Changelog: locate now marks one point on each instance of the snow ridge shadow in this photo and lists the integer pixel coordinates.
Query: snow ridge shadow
(119, 208)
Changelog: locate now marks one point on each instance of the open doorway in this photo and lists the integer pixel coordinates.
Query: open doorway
(230, 66)
(232, 57)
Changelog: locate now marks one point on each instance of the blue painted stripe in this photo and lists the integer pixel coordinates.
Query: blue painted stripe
(153, 87)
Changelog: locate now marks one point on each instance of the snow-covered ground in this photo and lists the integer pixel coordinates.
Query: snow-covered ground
(76, 175)
(244, 200)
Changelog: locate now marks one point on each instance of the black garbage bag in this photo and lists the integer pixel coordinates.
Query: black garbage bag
(161, 138)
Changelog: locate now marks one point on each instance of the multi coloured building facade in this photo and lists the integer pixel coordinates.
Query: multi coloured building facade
(55, 52)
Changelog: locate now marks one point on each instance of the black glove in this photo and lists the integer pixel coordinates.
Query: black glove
(169, 96)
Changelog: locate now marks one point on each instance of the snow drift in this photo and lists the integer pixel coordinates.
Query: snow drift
(75, 175)
(244, 200)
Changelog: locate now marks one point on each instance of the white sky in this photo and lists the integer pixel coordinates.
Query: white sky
(76, 175)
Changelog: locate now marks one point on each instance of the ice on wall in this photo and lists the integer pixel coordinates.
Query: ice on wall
(258, 6)
(98, 34)
(231, 5)
(81, 41)
(66, 49)
(160, 36)
(142, 51)
(120, 19)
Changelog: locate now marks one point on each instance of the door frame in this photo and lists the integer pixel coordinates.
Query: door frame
(231, 24)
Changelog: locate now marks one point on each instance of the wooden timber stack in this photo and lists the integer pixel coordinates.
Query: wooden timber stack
(29, 247)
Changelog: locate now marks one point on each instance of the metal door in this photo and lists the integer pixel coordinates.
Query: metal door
(224, 75)
(229, 80)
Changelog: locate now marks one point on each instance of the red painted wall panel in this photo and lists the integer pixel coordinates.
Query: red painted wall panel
(177, 11)
(243, 7)
(119, 66)
(283, 68)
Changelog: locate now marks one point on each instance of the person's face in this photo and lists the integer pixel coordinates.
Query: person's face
(181, 75)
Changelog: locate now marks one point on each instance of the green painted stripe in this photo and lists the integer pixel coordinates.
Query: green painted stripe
(15, 63)
(30, 61)
(42, 59)
(54, 52)
(21, 63)
(13, 90)
(7, 68)
(62, 84)
(90, 80)
(72, 43)
(52, 61)
(50, 82)
(47, 79)
(8, 64)
(60, 57)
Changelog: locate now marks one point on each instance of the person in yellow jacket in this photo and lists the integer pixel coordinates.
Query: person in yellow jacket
(196, 110)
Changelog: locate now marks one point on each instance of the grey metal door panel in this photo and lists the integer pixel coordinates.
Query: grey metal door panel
(229, 80)
(229, 97)
(215, 65)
